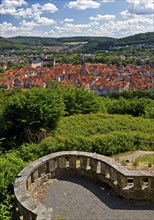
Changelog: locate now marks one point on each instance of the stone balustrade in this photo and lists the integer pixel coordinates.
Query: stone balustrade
(136, 185)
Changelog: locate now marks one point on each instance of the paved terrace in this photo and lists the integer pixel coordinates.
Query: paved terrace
(65, 185)
(77, 198)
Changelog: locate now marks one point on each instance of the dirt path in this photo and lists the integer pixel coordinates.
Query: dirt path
(135, 155)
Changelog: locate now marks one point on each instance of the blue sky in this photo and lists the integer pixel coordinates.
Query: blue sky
(66, 18)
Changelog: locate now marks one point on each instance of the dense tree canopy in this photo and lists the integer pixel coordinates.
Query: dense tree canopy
(27, 113)
(27, 116)
(78, 101)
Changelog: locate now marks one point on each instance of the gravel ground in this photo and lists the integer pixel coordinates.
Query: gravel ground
(76, 198)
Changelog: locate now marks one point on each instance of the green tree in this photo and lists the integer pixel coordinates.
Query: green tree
(79, 100)
(28, 115)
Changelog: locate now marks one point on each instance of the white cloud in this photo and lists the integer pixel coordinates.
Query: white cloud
(76, 26)
(127, 27)
(107, 1)
(111, 28)
(9, 6)
(7, 26)
(43, 21)
(94, 23)
(102, 17)
(71, 29)
(26, 13)
(49, 7)
(25, 24)
(34, 21)
(8, 30)
(68, 20)
(83, 4)
(14, 7)
(13, 3)
(125, 14)
(141, 6)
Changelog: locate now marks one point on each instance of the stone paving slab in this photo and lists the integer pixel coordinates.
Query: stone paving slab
(76, 198)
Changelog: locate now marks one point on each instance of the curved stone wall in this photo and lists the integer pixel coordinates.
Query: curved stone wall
(137, 185)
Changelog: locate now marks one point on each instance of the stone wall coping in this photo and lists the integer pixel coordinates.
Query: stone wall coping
(109, 161)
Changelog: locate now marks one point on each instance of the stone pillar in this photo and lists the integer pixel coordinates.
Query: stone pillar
(72, 161)
(35, 175)
(105, 169)
(113, 174)
(138, 183)
(61, 162)
(42, 170)
(151, 183)
(122, 180)
(51, 165)
(83, 162)
(93, 164)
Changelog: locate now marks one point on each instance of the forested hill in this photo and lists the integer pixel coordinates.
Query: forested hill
(146, 38)
(137, 39)
(90, 43)
(24, 42)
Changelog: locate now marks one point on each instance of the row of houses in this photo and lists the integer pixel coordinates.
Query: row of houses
(99, 78)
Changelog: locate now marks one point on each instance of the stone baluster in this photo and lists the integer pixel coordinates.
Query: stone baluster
(83, 162)
(35, 174)
(113, 174)
(61, 162)
(51, 166)
(151, 183)
(105, 169)
(122, 180)
(72, 161)
(42, 169)
(93, 164)
(138, 183)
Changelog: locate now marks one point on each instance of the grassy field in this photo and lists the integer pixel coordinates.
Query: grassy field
(75, 43)
(123, 154)
(149, 159)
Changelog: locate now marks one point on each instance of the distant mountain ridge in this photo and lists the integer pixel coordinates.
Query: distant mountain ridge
(91, 43)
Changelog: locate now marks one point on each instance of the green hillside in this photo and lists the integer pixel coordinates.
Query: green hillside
(6, 43)
(27, 42)
(106, 43)
(146, 38)
(92, 43)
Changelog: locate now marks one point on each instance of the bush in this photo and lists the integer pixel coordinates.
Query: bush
(10, 166)
(28, 115)
(134, 107)
(130, 94)
(78, 101)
